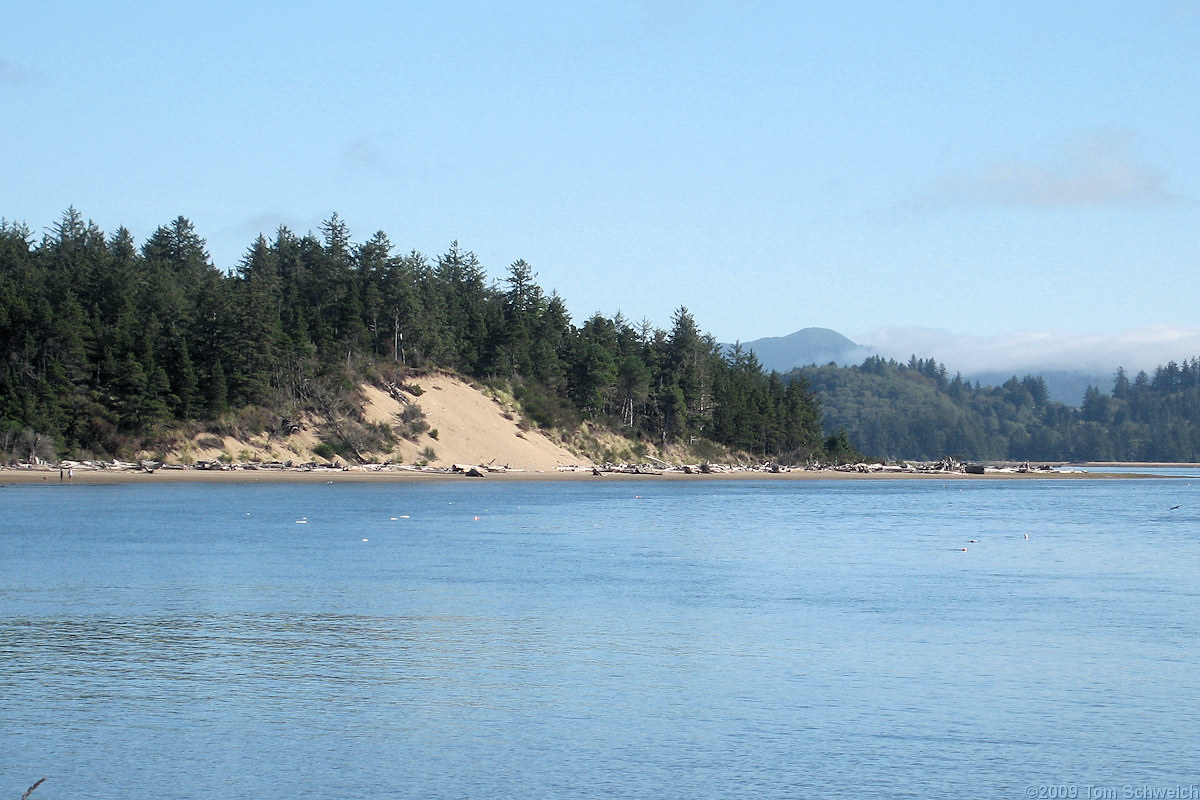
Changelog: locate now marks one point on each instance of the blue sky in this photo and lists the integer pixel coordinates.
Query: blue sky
(976, 170)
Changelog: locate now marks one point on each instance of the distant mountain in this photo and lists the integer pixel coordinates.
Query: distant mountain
(804, 347)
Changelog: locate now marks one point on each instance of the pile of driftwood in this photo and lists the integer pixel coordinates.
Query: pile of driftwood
(214, 465)
(946, 466)
(663, 468)
(115, 465)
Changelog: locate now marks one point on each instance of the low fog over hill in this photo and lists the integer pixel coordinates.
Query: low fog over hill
(1069, 362)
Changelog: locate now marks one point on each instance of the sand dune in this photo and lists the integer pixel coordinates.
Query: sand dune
(466, 426)
(472, 428)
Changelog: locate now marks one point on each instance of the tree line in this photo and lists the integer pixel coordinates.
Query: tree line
(111, 345)
(914, 410)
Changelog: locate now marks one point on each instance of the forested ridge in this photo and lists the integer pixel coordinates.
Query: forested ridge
(915, 410)
(111, 346)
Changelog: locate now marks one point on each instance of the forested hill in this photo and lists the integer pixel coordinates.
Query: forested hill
(917, 411)
(110, 346)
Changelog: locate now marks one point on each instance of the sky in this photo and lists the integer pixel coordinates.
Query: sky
(970, 176)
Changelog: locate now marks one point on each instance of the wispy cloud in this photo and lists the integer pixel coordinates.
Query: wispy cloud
(1025, 352)
(1096, 171)
(364, 158)
(16, 76)
(1183, 10)
(667, 15)
(243, 233)
(267, 224)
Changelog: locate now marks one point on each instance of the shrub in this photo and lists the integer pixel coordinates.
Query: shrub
(412, 422)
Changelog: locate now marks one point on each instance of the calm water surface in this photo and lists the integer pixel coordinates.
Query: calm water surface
(627, 639)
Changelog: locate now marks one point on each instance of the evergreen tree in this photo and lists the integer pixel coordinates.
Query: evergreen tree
(256, 315)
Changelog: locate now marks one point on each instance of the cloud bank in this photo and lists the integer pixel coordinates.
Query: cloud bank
(1039, 351)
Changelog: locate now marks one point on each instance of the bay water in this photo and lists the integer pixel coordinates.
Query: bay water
(640, 639)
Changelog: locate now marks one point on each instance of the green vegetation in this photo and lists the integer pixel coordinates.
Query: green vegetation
(915, 411)
(412, 423)
(113, 349)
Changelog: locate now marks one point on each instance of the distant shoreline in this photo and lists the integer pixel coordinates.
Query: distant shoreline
(1147, 464)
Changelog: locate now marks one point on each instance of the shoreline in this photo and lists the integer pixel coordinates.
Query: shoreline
(1128, 464)
(48, 476)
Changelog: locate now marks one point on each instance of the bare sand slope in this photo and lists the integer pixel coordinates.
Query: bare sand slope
(472, 429)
